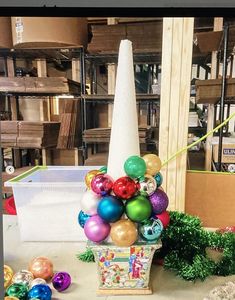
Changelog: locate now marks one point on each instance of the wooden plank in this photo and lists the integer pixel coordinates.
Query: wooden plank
(112, 68)
(46, 157)
(218, 25)
(210, 196)
(165, 94)
(184, 96)
(42, 72)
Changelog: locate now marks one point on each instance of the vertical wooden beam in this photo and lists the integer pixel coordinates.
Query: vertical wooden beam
(218, 25)
(44, 105)
(174, 107)
(76, 69)
(111, 77)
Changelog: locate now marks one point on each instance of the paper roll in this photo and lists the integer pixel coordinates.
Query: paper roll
(124, 140)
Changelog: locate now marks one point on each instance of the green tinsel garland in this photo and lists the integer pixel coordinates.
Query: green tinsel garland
(86, 256)
(184, 249)
(184, 244)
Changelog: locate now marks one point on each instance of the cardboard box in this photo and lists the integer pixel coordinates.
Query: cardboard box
(31, 32)
(228, 150)
(5, 32)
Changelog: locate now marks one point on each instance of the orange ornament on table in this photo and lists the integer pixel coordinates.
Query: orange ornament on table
(41, 267)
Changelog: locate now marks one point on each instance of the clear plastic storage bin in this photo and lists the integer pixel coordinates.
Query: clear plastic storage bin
(47, 201)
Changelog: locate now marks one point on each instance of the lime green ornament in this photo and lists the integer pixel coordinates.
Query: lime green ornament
(138, 209)
(17, 290)
(135, 166)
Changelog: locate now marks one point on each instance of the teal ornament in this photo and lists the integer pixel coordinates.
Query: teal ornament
(151, 230)
(159, 179)
(103, 169)
(110, 208)
(135, 167)
(40, 291)
(82, 218)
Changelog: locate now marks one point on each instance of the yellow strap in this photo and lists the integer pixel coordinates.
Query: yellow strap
(198, 141)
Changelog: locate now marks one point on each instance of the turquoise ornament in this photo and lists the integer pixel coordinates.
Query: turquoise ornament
(151, 230)
(82, 218)
(159, 179)
(110, 208)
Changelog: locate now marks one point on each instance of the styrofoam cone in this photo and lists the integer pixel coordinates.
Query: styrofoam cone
(124, 140)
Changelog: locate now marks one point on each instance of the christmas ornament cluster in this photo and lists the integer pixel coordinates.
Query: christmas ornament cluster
(129, 209)
(34, 282)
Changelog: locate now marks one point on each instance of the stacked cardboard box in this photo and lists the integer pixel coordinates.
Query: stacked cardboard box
(23, 134)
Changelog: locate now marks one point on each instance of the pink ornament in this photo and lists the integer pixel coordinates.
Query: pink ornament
(164, 217)
(102, 184)
(96, 229)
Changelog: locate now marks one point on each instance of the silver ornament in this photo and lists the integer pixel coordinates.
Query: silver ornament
(37, 281)
(23, 277)
(148, 185)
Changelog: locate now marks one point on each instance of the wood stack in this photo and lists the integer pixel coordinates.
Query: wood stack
(9, 133)
(102, 135)
(38, 134)
(146, 37)
(69, 129)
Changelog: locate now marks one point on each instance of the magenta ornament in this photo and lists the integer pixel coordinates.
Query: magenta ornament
(96, 229)
(61, 281)
(159, 201)
(102, 184)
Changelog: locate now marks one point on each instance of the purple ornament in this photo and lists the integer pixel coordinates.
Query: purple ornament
(159, 201)
(102, 184)
(61, 281)
(96, 229)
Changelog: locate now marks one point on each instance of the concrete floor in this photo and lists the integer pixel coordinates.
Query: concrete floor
(166, 286)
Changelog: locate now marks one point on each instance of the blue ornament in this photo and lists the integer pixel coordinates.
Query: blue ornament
(110, 208)
(82, 218)
(40, 291)
(151, 230)
(159, 179)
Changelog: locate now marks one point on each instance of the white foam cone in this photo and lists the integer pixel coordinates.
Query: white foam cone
(124, 140)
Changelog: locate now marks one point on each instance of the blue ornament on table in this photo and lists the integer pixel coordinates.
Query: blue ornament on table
(159, 179)
(110, 208)
(82, 218)
(40, 291)
(150, 230)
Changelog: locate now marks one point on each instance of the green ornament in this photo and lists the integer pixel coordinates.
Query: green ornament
(17, 290)
(135, 166)
(138, 209)
(103, 169)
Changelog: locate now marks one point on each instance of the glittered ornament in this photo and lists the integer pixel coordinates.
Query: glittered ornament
(153, 164)
(159, 201)
(125, 187)
(148, 184)
(159, 179)
(96, 229)
(123, 233)
(138, 208)
(135, 167)
(61, 281)
(151, 230)
(23, 277)
(102, 184)
(37, 281)
(89, 176)
(164, 217)
(40, 291)
(17, 290)
(103, 169)
(89, 203)
(110, 208)
(82, 218)
(8, 274)
(41, 267)
(10, 298)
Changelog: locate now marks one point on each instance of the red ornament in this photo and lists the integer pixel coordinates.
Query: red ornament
(101, 184)
(164, 217)
(125, 187)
